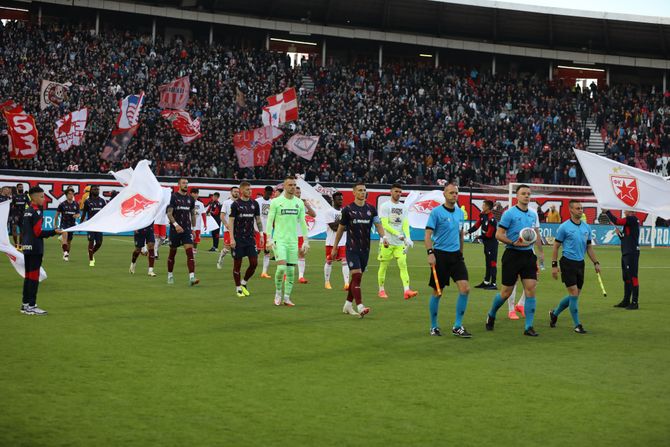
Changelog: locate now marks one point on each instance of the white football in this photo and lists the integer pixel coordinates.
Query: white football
(528, 235)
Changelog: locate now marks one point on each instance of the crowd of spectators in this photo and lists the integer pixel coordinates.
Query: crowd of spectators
(404, 123)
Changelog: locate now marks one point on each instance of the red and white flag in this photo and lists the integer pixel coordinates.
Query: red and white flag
(22, 134)
(289, 105)
(15, 257)
(302, 145)
(271, 115)
(174, 95)
(420, 204)
(70, 129)
(129, 115)
(622, 187)
(182, 123)
(253, 147)
(52, 93)
(10, 106)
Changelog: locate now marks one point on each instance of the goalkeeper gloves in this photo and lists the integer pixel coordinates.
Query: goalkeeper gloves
(305, 247)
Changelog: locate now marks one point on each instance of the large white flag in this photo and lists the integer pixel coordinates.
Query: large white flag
(137, 206)
(15, 256)
(621, 187)
(419, 205)
(319, 205)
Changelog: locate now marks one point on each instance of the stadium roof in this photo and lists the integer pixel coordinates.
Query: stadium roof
(489, 24)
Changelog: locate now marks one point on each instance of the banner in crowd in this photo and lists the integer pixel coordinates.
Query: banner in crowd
(181, 122)
(270, 116)
(288, 101)
(69, 130)
(15, 256)
(55, 193)
(174, 95)
(115, 147)
(618, 186)
(22, 134)
(318, 224)
(52, 93)
(129, 115)
(253, 147)
(11, 106)
(135, 207)
(302, 145)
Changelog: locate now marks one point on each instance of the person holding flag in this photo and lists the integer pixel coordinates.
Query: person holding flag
(144, 237)
(488, 223)
(393, 215)
(286, 213)
(33, 250)
(630, 257)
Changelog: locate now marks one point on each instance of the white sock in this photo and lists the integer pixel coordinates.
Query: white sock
(327, 270)
(191, 275)
(510, 300)
(301, 267)
(347, 305)
(222, 255)
(522, 300)
(243, 282)
(170, 275)
(156, 246)
(406, 288)
(381, 288)
(360, 308)
(132, 264)
(266, 263)
(345, 271)
(151, 269)
(287, 298)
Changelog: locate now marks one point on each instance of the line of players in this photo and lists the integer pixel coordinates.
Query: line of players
(247, 237)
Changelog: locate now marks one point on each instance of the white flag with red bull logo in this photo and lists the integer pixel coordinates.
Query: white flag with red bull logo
(15, 256)
(622, 187)
(316, 225)
(137, 206)
(419, 205)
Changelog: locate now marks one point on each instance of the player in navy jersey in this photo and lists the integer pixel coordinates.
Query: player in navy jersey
(181, 215)
(575, 237)
(518, 261)
(144, 237)
(357, 220)
(19, 203)
(68, 211)
(630, 257)
(488, 223)
(444, 245)
(244, 213)
(33, 250)
(214, 209)
(92, 206)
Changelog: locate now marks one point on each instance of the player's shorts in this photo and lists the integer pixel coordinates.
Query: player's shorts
(390, 252)
(341, 252)
(261, 240)
(196, 237)
(179, 239)
(629, 266)
(14, 220)
(94, 236)
(286, 252)
(244, 251)
(160, 231)
(226, 238)
(357, 259)
(301, 240)
(144, 237)
(70, 235)
(518, 264)
(448, 265)
(572, 272)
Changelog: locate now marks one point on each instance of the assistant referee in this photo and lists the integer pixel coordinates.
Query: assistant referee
(575, 236)
(444, 244)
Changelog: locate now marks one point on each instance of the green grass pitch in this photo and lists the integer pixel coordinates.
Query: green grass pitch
(128, 360)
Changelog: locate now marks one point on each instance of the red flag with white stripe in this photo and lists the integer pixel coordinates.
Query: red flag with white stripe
(289, 105)
(174, 95)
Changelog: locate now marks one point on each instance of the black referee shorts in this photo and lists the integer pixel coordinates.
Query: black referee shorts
(518, 264)
(448, 265)
(572, 272)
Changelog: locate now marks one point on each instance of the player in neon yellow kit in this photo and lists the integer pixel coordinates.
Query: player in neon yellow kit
(396, 224)
(286, 212)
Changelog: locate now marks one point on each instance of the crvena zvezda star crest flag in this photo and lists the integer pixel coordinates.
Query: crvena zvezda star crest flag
(622, 187)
